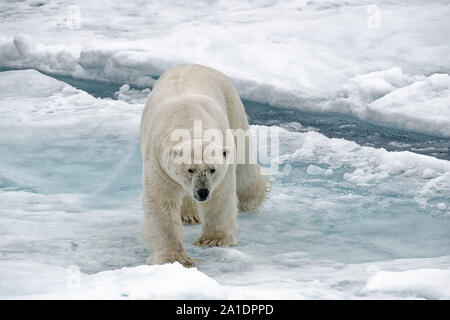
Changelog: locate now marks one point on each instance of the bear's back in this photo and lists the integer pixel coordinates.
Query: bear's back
(190, 79)
(185, 90)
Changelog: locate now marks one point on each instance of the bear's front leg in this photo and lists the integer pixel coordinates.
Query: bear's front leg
(218, 216)
(163, 231)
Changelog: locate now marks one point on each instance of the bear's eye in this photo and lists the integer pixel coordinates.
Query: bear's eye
(212, 170)
(191, 170)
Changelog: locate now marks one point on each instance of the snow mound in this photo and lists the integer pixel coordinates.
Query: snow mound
(170, 281)
(392, 98)
(422, 106)
(425, 283)
(373, 85)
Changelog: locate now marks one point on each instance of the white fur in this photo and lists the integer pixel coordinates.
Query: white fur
(182, 95)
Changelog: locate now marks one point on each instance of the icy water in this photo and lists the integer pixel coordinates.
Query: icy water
(343, 208)
(335, 125)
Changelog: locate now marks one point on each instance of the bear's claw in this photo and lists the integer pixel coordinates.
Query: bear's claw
(190, 220)
(215, 241)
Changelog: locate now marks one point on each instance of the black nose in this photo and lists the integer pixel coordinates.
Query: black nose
(203, 194)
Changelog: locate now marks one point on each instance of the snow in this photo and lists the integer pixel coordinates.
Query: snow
(344, 222)
(426, 283)
(427, 99)
(391, 98)
(355, 57)
(315, 170)
(171, 281)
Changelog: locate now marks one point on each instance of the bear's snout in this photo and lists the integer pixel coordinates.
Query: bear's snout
(202, 194)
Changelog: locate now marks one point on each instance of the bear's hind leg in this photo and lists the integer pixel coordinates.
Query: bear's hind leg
(189, 213)
(252, 187)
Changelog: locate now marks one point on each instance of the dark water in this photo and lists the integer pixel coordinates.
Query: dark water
(332, 125)
(336, 125)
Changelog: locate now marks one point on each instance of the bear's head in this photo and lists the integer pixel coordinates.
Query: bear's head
(198, 166)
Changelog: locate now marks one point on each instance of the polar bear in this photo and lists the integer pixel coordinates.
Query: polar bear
(178, 190)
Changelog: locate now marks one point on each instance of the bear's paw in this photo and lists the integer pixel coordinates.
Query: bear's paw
(215, 241)
(172, 257)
